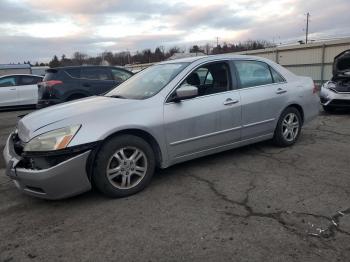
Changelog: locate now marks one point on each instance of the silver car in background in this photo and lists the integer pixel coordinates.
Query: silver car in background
(171, 112)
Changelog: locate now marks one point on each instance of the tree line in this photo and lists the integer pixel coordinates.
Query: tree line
(149, 56)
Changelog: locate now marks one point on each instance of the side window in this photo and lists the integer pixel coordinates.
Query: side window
(73, 72)
(277, 78)
(253, 73)
(8, 81)
(95, 74)
(120, 75)
(210, 79)
(29, 80)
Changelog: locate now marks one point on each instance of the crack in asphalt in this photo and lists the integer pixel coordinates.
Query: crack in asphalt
(328, 232)
(320, 128)
(293, 163)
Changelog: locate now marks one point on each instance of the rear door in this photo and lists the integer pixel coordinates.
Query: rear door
(263, 94)
(28, 89)
(96, 80)
(8, 91)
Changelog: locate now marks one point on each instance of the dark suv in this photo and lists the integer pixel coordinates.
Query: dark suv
(64, 84)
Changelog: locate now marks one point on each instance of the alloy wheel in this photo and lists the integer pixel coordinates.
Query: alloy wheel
(290, 127)
(127, 167)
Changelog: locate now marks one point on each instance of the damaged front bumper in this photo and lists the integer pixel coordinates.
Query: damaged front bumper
(332, 98)
(62, 180)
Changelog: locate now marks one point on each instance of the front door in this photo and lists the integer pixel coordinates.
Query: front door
(208, 121)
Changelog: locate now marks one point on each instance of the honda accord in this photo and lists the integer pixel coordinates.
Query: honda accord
(171, 112)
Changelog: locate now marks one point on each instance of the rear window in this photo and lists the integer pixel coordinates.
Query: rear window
(120, 75)
(73, 72)
(95, 74)
(51, 75)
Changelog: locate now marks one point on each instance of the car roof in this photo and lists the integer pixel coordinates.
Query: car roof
(213, 57)
(87, 66)
(21, 75)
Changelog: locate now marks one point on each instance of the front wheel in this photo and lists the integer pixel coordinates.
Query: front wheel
(123, 166)
(288, 127)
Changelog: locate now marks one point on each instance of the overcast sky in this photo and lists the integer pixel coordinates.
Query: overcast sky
(35, 30)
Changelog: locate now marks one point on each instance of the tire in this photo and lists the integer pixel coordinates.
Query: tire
(115, 174)
(286, 132)
(329, 109)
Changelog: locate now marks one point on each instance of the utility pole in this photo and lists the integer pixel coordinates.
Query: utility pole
(307, 26)
(217, 41)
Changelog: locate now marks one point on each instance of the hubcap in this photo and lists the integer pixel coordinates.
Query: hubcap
(290, 127)
(127, 167)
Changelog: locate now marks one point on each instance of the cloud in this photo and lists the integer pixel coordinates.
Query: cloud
(12, 12)
(44, 49)
(213, 16)
(29, 29)
(94, 7)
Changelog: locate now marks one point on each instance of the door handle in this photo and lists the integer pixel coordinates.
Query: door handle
(12, 88)
(86, 85)
(281, 91)
(230, 101)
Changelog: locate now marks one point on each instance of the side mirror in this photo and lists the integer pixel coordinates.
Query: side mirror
(185, 91)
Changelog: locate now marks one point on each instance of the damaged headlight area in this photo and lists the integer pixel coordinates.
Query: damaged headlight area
(49, 149)
(53, 140)
(330, 85)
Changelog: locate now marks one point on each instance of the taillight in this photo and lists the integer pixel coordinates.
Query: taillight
(315, 89)
(50, 83)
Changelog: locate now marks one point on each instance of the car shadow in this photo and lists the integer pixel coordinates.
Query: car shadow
(340, 111)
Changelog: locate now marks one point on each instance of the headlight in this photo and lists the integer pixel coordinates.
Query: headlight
(53, 140)
(330, 85)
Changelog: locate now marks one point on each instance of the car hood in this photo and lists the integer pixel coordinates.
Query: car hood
(341, 65)
(61, 115)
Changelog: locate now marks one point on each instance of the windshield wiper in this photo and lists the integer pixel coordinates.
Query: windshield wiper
(117, 96)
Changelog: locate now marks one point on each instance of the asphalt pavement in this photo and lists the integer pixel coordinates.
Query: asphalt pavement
(256, 203)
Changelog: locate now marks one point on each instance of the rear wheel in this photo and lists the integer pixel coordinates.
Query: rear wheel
(123, 166)
(288, 127)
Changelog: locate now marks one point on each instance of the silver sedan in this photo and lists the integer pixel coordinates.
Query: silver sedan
(171, 112)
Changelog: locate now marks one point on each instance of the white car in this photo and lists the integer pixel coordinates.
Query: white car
(336, 92)
(19, 90)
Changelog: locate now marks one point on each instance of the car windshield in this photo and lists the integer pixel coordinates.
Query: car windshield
(148, 82)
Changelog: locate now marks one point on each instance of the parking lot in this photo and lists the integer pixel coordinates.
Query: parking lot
(255, 203)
